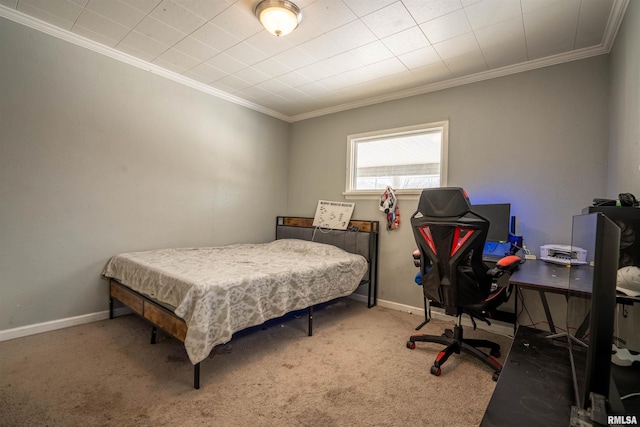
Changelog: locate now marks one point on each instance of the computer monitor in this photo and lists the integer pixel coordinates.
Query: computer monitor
(499, 216)
(591, 305)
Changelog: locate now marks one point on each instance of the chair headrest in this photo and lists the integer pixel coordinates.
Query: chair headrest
(443, 202)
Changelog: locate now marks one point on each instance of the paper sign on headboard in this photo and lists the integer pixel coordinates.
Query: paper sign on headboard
(334, 215)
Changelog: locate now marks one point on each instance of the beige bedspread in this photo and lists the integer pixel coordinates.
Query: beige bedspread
(222, 290)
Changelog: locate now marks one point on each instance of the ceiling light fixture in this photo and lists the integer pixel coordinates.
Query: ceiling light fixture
(279, 17)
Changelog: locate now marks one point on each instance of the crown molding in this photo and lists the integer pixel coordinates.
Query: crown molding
(460, 81)
(84, 42)
(613, 24)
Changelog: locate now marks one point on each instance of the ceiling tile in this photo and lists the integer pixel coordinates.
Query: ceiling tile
(322, 47)
(551, 30)
(254, 93)
(406, 41)
(503, 43)
(352, 35)
(177, 59)
(501, 33)
(341, 63)
(389, 20)
(276, 85)
(295, 58)
(195, 48)
(469, 63)
(387, 67)
(138, 42)
(246, 54)
(365, 7)
(335, 82)
(509, 53)
(176, 16)
(139, 46)
(594, 15)
(117, 11)
(214, 36)
(401, 81)
(238, 20)
(206, 73)
(231, 83)
(61, 13)
(490, 12)
(328, 14)
(372, 52)
(144, 6)
(306, 31)
(159, 31)
(100, 28)
(356, 76)
(295, 78)
(93, 36)
(206, 10)
(316, 71)
(268, 44)
(423, 11)
(432, 73)
(457, 46)
(226, 63)
(529, 6)
(420, 58)
(272, 67)
(252, 76)
(446, 27)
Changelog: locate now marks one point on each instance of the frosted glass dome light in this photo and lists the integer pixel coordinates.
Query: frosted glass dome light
(279, 17)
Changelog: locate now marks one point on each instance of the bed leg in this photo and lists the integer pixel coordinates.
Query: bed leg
(196, 376)
(110, 308)
(154, 334)
(310, 320)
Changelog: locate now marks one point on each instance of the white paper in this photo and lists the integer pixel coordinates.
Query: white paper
(335, 215)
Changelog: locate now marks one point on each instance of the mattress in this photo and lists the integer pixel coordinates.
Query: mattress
(218, 291)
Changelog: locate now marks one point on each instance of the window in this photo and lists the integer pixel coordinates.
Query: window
(407, 159)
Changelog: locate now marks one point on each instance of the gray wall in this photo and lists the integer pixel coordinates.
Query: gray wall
(537, 140)
(98, 157)
(624, 134)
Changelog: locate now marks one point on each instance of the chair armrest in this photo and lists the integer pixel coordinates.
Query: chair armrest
(508, 264)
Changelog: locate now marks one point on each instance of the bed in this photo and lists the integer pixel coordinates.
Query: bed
(202, 296)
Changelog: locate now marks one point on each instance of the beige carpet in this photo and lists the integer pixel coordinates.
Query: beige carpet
(354, 370)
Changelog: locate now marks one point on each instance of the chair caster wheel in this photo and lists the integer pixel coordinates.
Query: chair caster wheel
(435, 370)
(495, 353)
(411, 345)
(495, 376)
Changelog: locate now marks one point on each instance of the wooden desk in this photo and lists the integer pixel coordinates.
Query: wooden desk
(535, 386)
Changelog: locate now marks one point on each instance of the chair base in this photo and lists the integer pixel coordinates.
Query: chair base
(455, 343)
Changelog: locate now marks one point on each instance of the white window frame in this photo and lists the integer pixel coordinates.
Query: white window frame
(352, 143)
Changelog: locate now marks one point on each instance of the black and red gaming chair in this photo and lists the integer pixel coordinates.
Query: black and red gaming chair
(451, 239)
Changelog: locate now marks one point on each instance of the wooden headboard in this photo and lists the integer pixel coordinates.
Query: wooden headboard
(360, 237)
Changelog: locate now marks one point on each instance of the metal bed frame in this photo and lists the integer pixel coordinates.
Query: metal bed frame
(361, 237)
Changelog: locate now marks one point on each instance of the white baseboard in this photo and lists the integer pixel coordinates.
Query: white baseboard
(23, 331)
(38, 328)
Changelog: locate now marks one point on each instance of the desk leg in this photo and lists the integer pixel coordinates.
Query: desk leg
(515, 308)
(547, 312)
